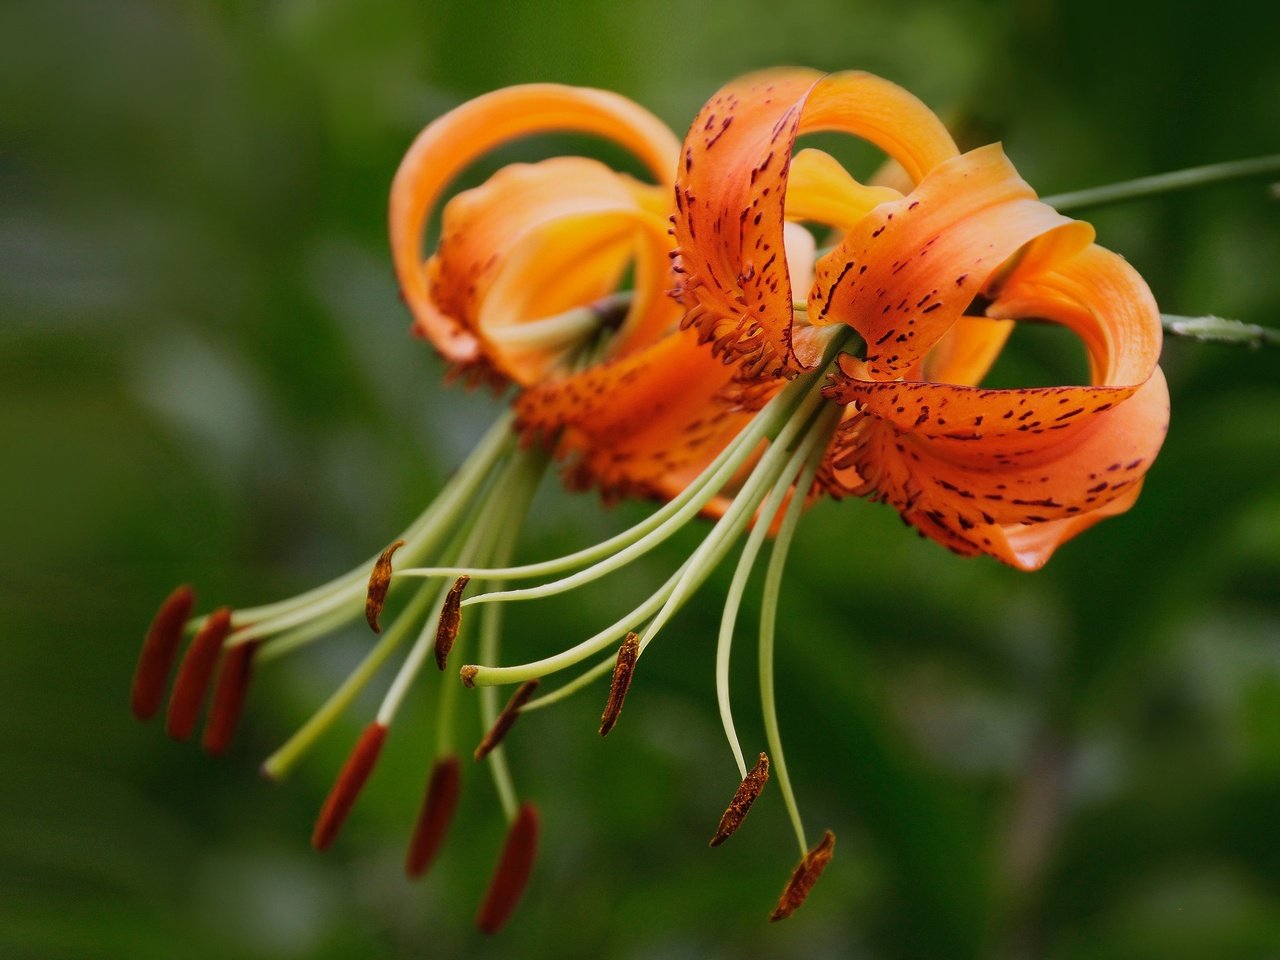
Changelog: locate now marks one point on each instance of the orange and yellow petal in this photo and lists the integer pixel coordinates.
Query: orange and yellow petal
(451, 143)
(537, 240)
(733, 186)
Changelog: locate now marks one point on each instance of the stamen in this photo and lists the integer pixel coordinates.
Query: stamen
(512, 873)
(506, 719)
(228, 697)
(379, 582)
(433, 820)
(741, 803)
(622, 671)
(803, 878)
(195, 674)
(450, 621)
(158, 651)
(355, 772)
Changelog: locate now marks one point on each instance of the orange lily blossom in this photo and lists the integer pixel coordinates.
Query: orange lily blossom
(924, 288)
(522, 289)
(737, 400)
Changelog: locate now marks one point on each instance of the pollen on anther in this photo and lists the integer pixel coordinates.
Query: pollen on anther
(742, 800)
(433, 820)
(355, 773)
(512, 873)
(506, 719)
(379, 583)
(623, 668)
(450, 621)
(803, 878)
(195, 673)
(158, 652)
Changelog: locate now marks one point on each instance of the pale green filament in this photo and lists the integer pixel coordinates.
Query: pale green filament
(422, 535)
(733, 600)
(278, 765)
(768, 620)
(671, 517)
(1166, 183)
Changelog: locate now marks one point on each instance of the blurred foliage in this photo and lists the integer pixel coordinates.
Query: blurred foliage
(204, 376)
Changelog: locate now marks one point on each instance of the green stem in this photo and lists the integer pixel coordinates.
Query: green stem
(1218, 330)
(1166, 183)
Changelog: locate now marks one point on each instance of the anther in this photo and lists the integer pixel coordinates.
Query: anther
(379, 583)
(804, 877)
(228, 697)
(506, 719)
(433, 820)
(158, 652)
(195, 673)
(450, 621)
(623, 668)
(512, 873)
(741, 803)
(355, 772)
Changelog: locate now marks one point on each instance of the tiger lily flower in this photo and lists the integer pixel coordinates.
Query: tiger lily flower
(867, 383)
(522, 289)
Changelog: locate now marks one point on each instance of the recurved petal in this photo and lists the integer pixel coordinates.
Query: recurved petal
(1102, 299)
(819, 190)
(907, 271)
(452, 142)
(732, 188)
(535, 241)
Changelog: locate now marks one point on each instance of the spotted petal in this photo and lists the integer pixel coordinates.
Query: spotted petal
(1014, 473)
(732, 189)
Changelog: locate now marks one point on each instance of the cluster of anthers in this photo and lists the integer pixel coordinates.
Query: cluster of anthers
(777, 372)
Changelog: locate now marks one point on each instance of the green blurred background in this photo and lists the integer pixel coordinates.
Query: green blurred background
(205, 376)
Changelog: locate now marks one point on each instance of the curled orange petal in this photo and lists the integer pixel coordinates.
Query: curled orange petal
(731, 193)
(452, 142)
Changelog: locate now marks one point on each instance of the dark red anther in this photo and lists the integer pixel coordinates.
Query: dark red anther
(195, 673)
(512, 874)
(804, 877)
(228, 696)
(158, 652)
(354, 775)
(450, 621)
(506, 719)
(436, 814)
(742, 800)
(379, 584)
(623, 668)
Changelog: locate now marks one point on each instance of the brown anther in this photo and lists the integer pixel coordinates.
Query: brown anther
(433, 820)
(228, 696)
(195, 673)
(622, 670)
(468, 675)
(158, 652)
(512, 873)
(450, 621)
(741, 803)
(804, 877)
(379, 584)
(355, 772)
(506, 719)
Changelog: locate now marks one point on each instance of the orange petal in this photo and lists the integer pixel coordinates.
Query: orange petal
(535, 241)
(732, 186)
(631, 424)
(451, 143)
(907, 271)
(1014, 473)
